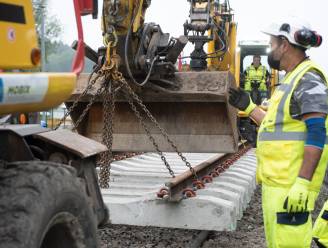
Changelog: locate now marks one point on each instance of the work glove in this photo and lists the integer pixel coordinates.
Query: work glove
(298, 196)
(240, 99)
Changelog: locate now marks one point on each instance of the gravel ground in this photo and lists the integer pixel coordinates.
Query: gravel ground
(249, 233)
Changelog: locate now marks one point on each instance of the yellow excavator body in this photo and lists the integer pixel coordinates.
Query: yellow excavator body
(18, 36)
(21, 91)
(195, 113)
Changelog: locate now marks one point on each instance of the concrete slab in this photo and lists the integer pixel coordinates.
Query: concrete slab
(201, 213)
(132, 199)
(226, 195)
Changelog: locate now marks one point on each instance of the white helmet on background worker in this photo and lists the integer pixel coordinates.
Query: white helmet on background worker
(296, 31)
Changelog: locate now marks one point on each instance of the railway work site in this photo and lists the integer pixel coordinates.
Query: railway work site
(224, 145)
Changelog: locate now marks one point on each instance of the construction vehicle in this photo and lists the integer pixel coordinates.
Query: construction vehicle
(49, 189)
(190, 106)
(250, 48)
(53, 172)
(247, 127)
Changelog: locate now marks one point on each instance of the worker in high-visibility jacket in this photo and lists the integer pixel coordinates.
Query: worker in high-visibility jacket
(292, 151)
(256, 73)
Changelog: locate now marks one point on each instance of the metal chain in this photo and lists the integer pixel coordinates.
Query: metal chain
(87, 108)
(151, 138)
(111, 75)
(163, 132)
(107, 135)
(91, 83)
(135, 97)
(107, 138)
(108, 70)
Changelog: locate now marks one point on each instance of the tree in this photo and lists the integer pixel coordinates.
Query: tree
(53, 28)
(59, 56)
(61, 60)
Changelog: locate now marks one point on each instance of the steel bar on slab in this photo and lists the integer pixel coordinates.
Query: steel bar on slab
(179, 183)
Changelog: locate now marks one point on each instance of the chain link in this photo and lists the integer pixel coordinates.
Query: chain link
(91, 83)
(108, 69)
(106, 158)
(113, 81)
(151, 137)
(153, 120)
(87, 108)
(130, 95)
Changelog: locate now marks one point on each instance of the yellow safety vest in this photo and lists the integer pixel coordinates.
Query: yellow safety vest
(281, 138)
(253, 74)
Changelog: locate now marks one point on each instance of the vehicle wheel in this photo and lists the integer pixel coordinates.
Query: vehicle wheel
(44, 205)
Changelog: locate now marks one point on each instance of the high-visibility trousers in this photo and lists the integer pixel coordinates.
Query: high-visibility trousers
(320, 229)
(282, 229)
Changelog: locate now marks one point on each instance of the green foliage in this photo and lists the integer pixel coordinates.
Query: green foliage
(61, 59)
(53, 28)
(59, 56)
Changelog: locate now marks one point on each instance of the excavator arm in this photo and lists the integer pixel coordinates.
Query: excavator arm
(190, 106)
(145, 52)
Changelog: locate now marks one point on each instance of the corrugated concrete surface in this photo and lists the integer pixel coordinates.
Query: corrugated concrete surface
(134, 182)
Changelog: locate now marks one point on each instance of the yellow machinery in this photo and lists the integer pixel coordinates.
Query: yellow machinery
(251, 48)
(190, 106)
(19, 48)
(26, 92)
(53, 171)
(247, 128)
(48, 177)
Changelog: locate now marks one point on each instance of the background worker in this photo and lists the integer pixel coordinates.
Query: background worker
(256, 73)
(291, 150)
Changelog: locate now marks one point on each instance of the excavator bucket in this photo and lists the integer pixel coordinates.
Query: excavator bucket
(196, 116)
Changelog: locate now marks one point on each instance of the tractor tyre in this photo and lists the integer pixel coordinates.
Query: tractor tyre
(44, 205)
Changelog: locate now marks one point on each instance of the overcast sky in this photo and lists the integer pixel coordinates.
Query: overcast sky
(251, 16)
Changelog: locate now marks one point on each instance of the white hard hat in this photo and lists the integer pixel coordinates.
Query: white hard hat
(288, 28)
